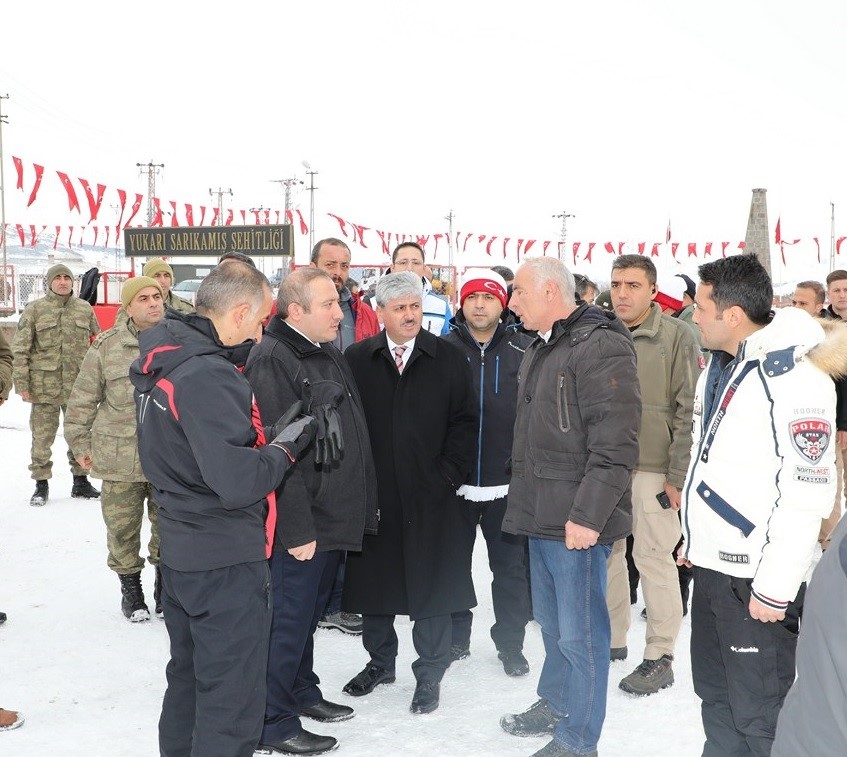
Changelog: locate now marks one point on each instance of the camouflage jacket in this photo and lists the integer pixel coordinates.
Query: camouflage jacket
(5, 367)
(100, 420)
(53, 335)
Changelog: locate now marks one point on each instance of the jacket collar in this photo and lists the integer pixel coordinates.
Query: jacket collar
(459, 325)
(648, 328)
(279, 329)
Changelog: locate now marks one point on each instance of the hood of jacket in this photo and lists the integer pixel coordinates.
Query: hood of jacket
(176, 339)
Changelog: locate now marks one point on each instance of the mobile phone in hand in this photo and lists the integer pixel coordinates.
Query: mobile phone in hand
(663, 500)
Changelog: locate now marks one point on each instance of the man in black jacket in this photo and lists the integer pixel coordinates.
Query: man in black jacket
(325, 505)
(494, 349)
(575, 445)
(202, 447)
(417, 393)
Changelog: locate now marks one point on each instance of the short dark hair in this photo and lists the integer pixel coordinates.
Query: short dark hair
(240, 256)
(507, 273)
(333, 242)
(743, 281)
(816, 287)
(583, 284)
(623, 262)
(838, 275)
(296, 287)
(408, 244)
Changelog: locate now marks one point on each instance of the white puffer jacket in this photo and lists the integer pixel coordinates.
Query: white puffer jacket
(762, 471)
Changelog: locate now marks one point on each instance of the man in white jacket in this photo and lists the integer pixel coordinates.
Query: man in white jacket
(761, 476)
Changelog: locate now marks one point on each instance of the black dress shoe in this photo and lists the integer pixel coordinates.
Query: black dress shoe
(303, 743)
(426, 697)
(371, 677)
(328, 712)
(514, 663)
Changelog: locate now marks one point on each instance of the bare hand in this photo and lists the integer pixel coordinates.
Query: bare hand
(2, 400)
(766, 614)
(305, 552)
(84, 461)
(674, 495)
(25, 396)
(680, 560)
(579, 537)
(841, 438)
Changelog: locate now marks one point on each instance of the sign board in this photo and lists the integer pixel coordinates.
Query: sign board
(185, 241)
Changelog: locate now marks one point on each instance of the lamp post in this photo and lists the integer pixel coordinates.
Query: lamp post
(311, 174)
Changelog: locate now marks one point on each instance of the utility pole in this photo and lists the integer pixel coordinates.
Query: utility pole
(151, 169)
(220, 204)
(3, 120)
(831, 238)
(449, 218)
(563, 234)
(311, 174)
(287, 184)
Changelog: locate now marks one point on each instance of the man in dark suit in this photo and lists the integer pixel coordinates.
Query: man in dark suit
(418, 396)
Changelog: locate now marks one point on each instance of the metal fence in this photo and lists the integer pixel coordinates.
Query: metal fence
(20, 285)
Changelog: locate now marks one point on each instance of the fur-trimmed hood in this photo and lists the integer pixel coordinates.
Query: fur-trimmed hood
(830, 355)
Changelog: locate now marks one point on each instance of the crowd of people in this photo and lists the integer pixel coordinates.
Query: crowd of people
(323, 458)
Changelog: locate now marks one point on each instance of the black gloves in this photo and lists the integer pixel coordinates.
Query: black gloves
(294, 436)
(325, 397)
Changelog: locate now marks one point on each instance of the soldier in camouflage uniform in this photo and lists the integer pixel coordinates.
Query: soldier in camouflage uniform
(100, 428)
(158, 269)
(53, 335)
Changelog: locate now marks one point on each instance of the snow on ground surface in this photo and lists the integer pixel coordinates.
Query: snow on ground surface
(90, 684)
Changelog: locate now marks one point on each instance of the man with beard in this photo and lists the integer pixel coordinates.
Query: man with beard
(494, 348)
(417, 392)
(359, 321)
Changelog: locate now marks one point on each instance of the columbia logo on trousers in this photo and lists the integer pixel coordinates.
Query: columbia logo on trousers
(744, 650)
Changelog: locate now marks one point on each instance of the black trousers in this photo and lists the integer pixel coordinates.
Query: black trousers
(507, 558)
(300, 592)
(218, 623)
(742, 668)
(431, 637)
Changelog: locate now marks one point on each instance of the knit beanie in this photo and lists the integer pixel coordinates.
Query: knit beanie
(483, 280)
(57, 270)
(133, 286)
(670, 290)
(157, 265)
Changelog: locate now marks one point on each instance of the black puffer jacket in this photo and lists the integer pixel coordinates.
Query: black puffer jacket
(576, 432)
(331, 504)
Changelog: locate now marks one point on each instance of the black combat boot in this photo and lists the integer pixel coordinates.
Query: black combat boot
(83, 489)
(132, 602)
(157, 594)
(42, 492)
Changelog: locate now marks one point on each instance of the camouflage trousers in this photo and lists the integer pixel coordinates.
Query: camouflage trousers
(123, 511)
(44, 423)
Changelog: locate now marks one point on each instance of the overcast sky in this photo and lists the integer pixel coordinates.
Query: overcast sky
(624, 114)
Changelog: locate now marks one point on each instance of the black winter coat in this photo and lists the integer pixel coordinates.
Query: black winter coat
(576, 433)
(495, 376)
(196, 442)
(332, 504)
(423, 435)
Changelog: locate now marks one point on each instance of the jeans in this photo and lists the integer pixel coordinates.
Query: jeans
(569, 602)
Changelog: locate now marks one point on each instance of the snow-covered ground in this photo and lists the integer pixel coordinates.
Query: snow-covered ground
(90, 684)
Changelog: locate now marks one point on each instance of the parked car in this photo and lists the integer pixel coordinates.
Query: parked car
(187, 289)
